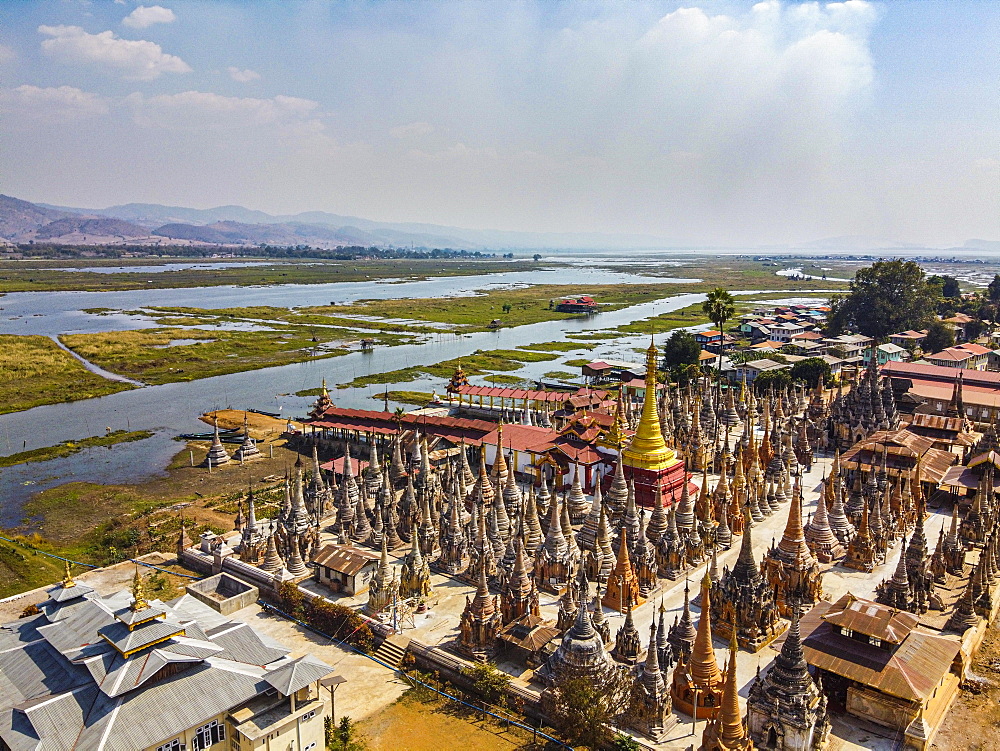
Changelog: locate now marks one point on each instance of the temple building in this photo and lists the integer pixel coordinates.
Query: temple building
(881, 666)
(649, 463)
(480, 623)
(697, 683)
(580, 654)
(649, 704)
(790, 567)
(726, 730)
(786, 709)
(743, 597)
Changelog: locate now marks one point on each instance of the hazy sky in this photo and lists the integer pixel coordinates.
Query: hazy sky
(713, 122)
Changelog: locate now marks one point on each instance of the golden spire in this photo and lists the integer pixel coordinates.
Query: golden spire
(324, 391)
(647, 449)
(67, 580)
(704, 667)
(730, 720)
(138, 592)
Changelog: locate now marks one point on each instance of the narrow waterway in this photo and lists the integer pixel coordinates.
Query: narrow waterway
(174, 408)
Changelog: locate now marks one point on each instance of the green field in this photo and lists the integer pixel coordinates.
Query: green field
(479, 362)
(36, 371)
(36, 276)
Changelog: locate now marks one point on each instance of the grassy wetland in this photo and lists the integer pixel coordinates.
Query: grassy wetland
(222, 341)
(49, 276)
(36, 371)
(168, 355)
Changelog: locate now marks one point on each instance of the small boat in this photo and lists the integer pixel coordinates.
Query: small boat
(266, 414)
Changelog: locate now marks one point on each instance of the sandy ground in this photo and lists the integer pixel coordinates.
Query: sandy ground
(261, 426)
(370, 687)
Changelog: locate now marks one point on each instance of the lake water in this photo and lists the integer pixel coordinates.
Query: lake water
(53, 313)
(174, 408)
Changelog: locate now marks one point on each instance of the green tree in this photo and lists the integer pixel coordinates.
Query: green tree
(884, 298)
(343, 737)
(719, 307)
(948, 284)
(625, 743)
(582, 712)
(811, 370)
(537, 257)
(939, 336)
(772, 379)
(680, 349)
(489, 682)
(993, 290)
(506, 307)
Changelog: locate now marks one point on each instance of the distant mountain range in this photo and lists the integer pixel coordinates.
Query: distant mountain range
(147, 223)
(153, 224)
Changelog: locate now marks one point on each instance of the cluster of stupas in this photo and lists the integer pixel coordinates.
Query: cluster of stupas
(642, 524)
(284, 544)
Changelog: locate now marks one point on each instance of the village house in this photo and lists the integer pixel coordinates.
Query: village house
(783, 332)
(886, 353)
(604, 371)
(968, 356)
(750, 370)
(345, 569)
(908, 339)
(851, 345)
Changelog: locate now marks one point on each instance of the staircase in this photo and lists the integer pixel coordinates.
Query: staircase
(392, 650)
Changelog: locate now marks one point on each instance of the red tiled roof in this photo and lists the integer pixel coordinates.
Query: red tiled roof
(523, 438)
(384, 423)
(337, 466)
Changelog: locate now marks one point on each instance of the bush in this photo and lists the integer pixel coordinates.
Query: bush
(489, 682)
(336, 621)
(343, 737)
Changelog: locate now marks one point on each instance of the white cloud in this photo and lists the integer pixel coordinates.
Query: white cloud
(6, 54)
(203, 110)
(53, 104)
(412, 130)
(243, 75)
(143, 17)
(137, 60)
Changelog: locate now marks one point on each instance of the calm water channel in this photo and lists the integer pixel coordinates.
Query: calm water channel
(174, 408)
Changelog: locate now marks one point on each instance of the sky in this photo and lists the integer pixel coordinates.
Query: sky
(719, 123)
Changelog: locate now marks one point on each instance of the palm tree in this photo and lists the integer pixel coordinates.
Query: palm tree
(719, 307)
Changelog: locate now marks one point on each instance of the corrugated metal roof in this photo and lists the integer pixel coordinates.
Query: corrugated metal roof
(343, 559)
(295, 675)
(871, 618)
(911, 672)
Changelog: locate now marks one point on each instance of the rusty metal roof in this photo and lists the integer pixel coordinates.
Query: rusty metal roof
(871, 618)
(343, 559)
(911, 672)
(902, 448)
